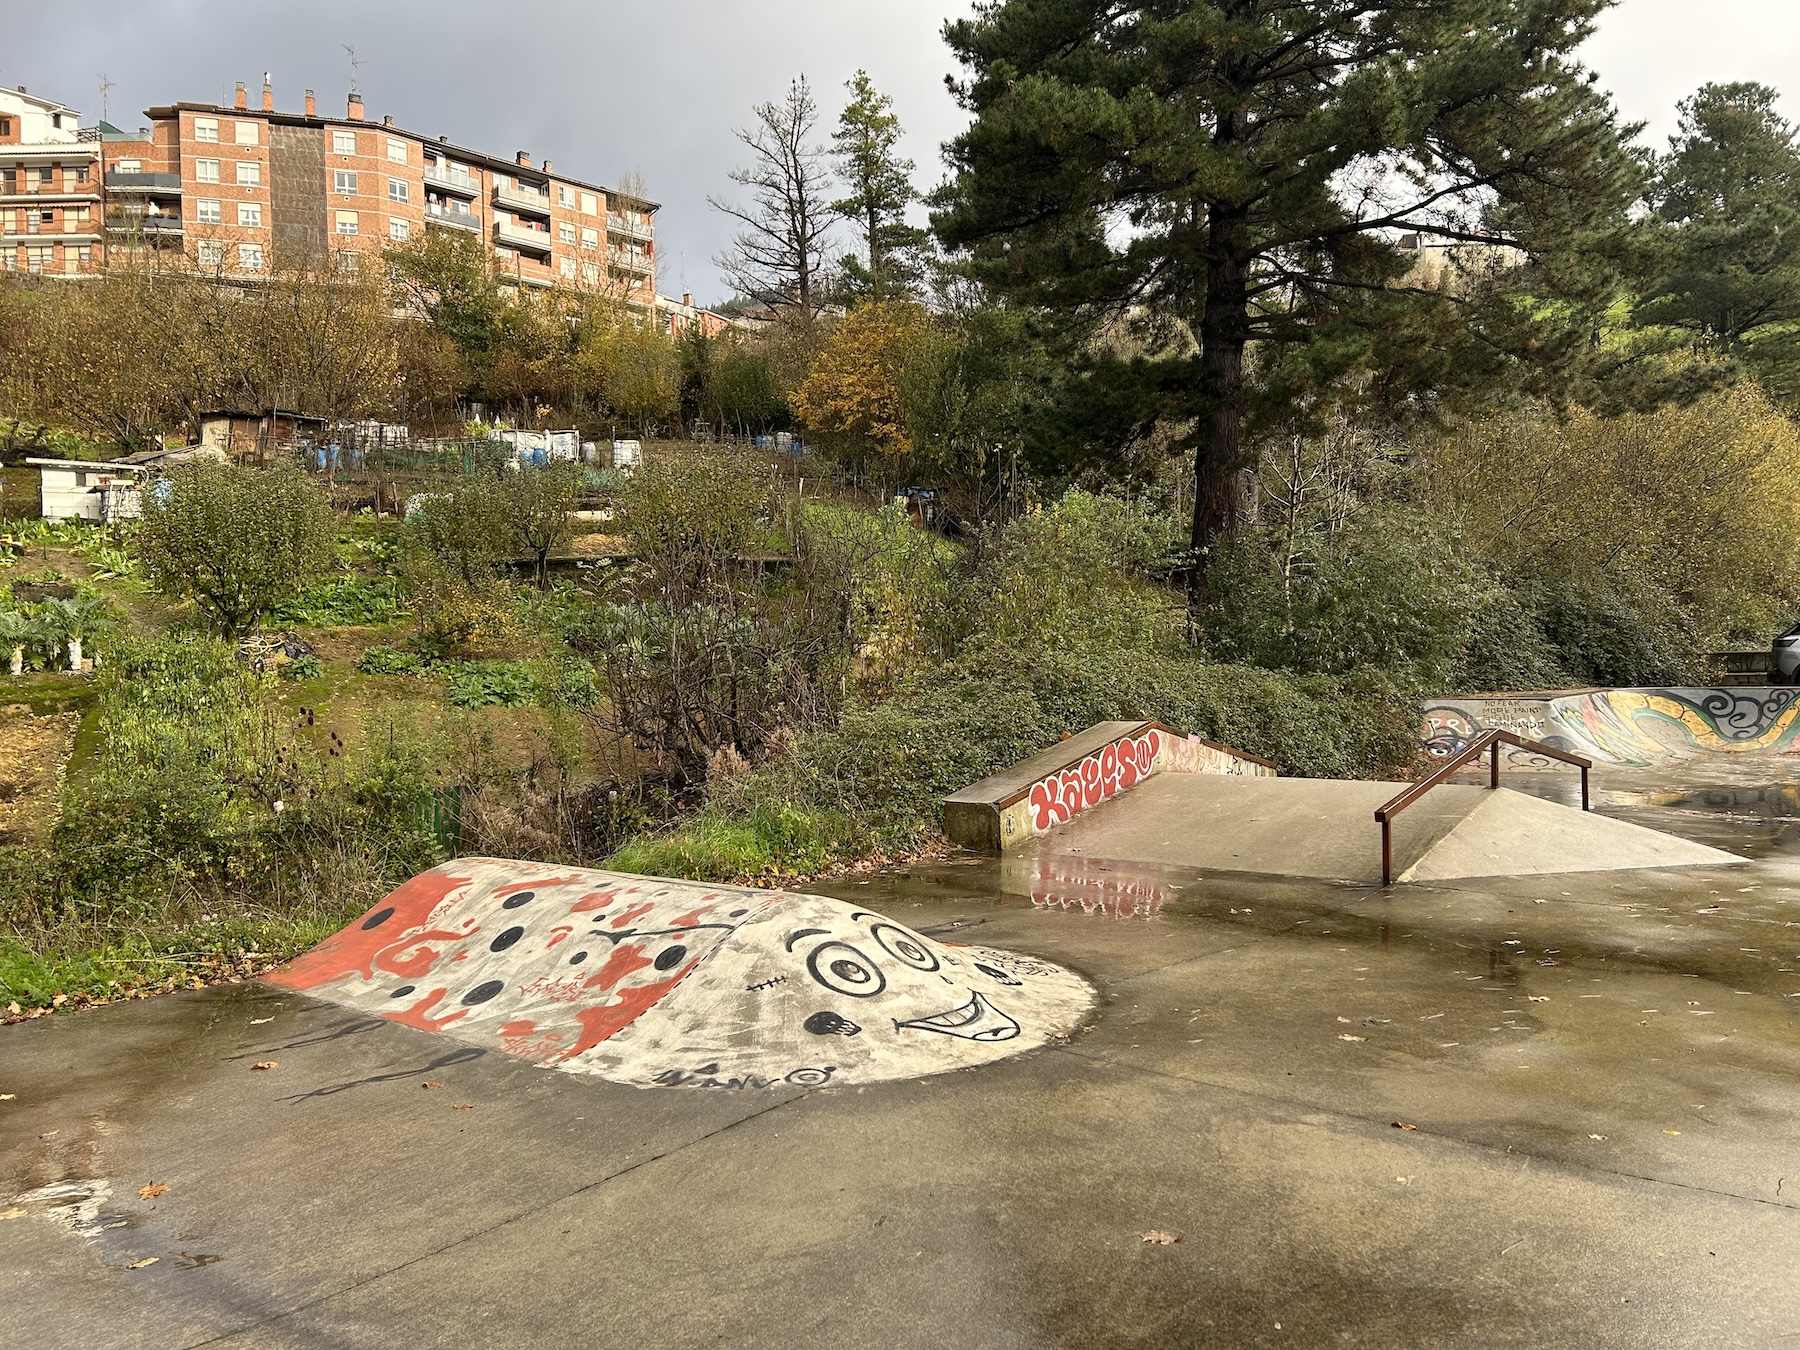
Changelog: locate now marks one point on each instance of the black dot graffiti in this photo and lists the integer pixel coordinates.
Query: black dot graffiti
(402, 991)
(994, 973)
(578, 958)
(481, 993)
(844, 970)
(506, 939)
(737, 913)
(827, 1023)
(514, 901)
(670, 957)
(378, 918)
(809, 1077)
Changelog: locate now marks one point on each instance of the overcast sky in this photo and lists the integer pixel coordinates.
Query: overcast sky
(605, 86)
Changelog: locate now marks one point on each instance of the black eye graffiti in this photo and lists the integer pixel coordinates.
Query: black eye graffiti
(994, 973)
(844, 970)
(903, 946)
(828, 1023)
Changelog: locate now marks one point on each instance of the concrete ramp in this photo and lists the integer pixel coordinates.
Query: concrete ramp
(654, 982)
(1311, 827)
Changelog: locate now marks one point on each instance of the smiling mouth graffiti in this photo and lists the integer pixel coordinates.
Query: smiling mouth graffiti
(976, 1020)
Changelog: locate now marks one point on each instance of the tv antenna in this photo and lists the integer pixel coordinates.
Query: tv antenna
(355, 67)
(105, 84)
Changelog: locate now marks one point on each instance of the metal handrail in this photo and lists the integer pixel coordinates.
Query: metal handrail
(1487, 743)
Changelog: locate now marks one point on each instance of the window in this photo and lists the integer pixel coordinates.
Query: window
(210, 252)
(343, 142)
(399, 229)
(38, 257)
(346, 222)
(5, 126)
(84, 254)
(397, 190)
(249, 173)
(590, 273)
(81, 173)
(206, 170)
(206, 130)
(207, 213)
(565, 196)
(396, 151)
(46, 175)
(122, 166)
(565, 232)
(568, 268)
(590, 205)
(246, 133)
(250, 257)
(349, 262)
(250, 215)
(345, 181)
(590, 238)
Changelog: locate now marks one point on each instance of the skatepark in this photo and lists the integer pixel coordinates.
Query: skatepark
(1238, 1092)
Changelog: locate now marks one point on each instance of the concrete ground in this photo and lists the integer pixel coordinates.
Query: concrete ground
(1601, 1073)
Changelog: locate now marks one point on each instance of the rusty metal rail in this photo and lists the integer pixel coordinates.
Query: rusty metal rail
(1487, 743)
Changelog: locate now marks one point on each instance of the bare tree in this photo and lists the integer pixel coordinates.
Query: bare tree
(778, 256)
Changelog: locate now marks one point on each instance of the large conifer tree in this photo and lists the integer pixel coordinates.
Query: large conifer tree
(1239, 170)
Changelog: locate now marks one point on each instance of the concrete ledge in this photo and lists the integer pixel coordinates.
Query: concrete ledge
(1053, 786)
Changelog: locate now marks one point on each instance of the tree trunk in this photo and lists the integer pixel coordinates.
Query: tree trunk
(18, 662)
(74, 653)
(1224, 325)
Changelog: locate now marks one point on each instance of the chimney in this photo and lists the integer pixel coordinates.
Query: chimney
(268, 94)
(687, 298)
(312, 104)
(243, 99)
(353, 110)
(387, 121)
(522, 159)
(546, 166)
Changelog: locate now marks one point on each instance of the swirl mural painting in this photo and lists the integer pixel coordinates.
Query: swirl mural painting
(1635, 727)
(669, 983)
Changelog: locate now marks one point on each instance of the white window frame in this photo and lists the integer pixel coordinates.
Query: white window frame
(590, 239)
(396, 151)
(129, 166)
(565, 196)
(565, 232)
(399, 229)
(209, 253)
(249, 173)
(343, 142)
(340, 219)
(344, 183)
(206, 170)
(250, 257)
(568, 268)
(206, 130)
(590, 204)
(246, 134)
(398, 191)
(208, 212)
(249, 215)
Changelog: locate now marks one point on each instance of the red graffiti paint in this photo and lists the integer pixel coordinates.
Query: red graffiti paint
(625, 958)
(538, 885)
(593, 901)
(1126, 762)
(524, 1026)
(635, 912)
(415, 1015)
(359, 948)
(608, 1019)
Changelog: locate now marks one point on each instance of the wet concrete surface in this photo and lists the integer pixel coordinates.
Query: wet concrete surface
(1603, 1073)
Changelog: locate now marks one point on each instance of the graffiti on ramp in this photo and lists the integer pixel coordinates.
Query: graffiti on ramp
(671, 983)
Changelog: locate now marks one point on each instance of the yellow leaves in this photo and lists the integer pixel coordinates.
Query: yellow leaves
(853, 390)
(151, 1191)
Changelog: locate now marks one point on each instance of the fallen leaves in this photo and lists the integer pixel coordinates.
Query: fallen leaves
(1598, 1138)
(153, 1190)
(1157, 1238)
(258, 1021)
(431, 1085)
(266, 1064)
(7, 1096)
(14, 1213)
(1402, 1125)
(1345, 1036)
(147, 1261)
(463, 1106)
(1671, 1131)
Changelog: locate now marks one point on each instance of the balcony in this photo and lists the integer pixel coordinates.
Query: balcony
(146, 184)
(629, 229)
(516, 198)
(150, 227)
(461, 184)
(456, 220)
(629, 260)
(512, 233)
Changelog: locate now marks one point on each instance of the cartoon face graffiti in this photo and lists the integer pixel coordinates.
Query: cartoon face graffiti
(648, 981)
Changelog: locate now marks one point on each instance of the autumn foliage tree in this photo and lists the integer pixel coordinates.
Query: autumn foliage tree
(854, 397)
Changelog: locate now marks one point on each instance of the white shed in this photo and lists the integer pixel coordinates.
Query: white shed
(89, 489)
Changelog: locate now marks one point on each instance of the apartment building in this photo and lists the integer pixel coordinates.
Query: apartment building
(231, 187)
(50, 197)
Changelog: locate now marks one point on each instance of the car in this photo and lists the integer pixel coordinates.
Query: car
(1784, 658)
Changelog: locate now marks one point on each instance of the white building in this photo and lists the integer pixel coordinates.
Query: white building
(50, 203)
(74, 489)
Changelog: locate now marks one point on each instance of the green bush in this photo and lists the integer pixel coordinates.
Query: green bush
(385, 660)
(340, 602)
(480, 684)
(302, 668)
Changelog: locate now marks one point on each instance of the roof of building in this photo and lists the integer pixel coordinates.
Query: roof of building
(480, 157)
(48, 105)
(109, 465)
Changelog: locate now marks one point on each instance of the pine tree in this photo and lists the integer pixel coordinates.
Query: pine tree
(1222, 173)
(1728, 197)
(879, 190)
